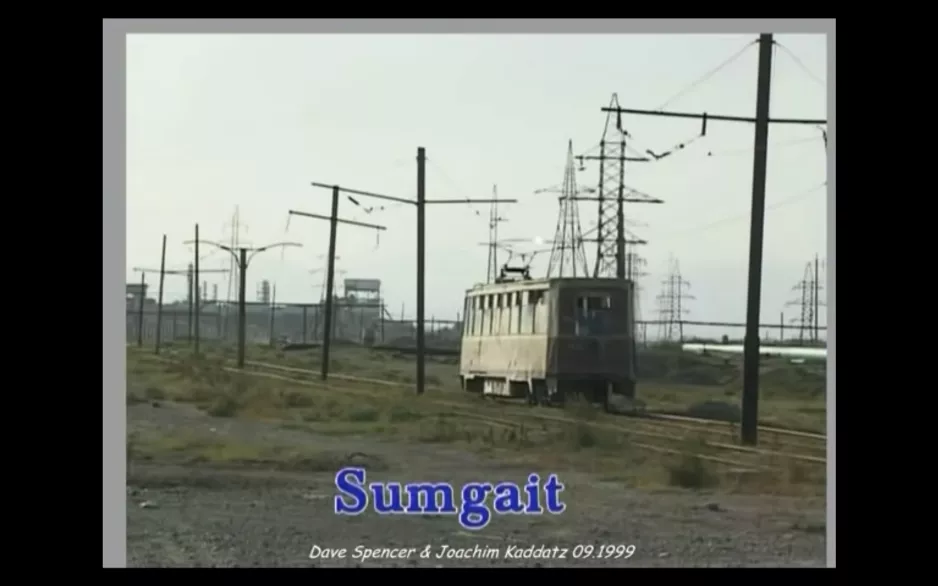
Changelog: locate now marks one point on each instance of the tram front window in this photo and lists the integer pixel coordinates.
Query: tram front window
(594, 315)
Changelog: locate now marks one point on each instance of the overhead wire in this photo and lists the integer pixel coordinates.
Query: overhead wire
(456, 189)
(706, 77)
(376, 209)
(736, 217)
(800, 64)
(657, 156)
(774, 145)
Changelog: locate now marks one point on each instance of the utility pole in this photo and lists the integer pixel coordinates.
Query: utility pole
(159, 300)
(163, 271)
(750, 403)
(322, 291)
(196, 295)
(494, 220)
(817, 300)
(142, 307)
(334, 221)
(421, 267)
(244, 255)
(750, 397)
(234, 242)
(273, 314)
(190, 302)
(420, 203)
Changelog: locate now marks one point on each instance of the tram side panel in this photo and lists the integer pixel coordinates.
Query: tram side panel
(504, 346)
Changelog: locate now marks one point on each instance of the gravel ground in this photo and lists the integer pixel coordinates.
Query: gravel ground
(209, 517)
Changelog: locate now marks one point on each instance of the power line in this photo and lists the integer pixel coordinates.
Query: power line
(744, 215)
(776, 145)
(419, 204)
(761, 121)
(706, 77)
(611, 235)
(804, 68)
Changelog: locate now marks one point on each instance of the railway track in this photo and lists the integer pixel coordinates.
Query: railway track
(723, 433)
(659, 433)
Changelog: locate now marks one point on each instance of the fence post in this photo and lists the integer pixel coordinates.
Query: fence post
(304, 324)
(273, 311)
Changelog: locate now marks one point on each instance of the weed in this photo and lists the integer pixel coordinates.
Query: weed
(690, 471)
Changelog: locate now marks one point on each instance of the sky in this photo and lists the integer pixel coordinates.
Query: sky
(216, 122)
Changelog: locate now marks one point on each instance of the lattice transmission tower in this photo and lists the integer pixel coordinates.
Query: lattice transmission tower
(672, 306)
(612, 239)
(567, 256)
(809, 303)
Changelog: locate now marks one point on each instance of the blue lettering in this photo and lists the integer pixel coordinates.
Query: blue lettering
(474, 514)
(380, 490)
(533, 488)
(507, 499)
(349, 481)
(437, 498)
(552, 489)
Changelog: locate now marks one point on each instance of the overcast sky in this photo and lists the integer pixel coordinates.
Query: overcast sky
(218, 121)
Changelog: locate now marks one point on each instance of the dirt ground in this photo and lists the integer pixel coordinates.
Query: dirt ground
(191, 514)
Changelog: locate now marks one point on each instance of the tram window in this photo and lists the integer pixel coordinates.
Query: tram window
(524, 316)
(538, 312)
(490, 312)
(476, 316)
(513, 313)
(593, 315)
(518, 308)
(505, 325)
(596, 302)
(496, 313)
(466, 317)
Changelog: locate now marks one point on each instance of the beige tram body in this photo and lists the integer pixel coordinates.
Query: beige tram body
(545, 339)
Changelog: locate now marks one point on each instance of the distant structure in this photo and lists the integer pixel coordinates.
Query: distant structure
(362, 290)
(263, 292)
(136, 291)
(672, 307)
(635, 271)
(361, 315)
(567, 257)
(809, 303)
